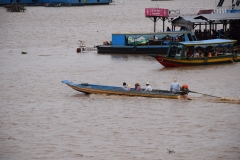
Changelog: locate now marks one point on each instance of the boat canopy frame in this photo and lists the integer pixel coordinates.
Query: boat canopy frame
(157, 34)
(178, 49)
(137, 38)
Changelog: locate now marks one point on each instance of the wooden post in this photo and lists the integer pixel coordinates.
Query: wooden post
(163, 19)
(154, 19)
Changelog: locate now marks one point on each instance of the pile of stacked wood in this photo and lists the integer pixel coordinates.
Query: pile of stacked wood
(15, 8)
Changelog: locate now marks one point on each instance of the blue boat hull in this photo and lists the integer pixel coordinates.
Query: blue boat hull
(132, 50)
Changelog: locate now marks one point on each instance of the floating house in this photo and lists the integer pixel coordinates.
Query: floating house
(230, 22)
(143, 43)
(8, 2)
(55, 3)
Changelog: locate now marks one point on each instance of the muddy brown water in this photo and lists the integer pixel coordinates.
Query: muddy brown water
(41, 118)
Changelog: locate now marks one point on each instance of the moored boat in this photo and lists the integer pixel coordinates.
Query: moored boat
(115, 90)
(143, 43)
(205, 52)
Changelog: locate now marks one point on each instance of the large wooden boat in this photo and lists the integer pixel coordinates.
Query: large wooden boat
(143, 43)
(115, 90)
(215, 51)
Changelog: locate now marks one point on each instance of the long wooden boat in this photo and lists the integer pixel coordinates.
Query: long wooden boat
(143, 43)
(115, 90)
(215, 51)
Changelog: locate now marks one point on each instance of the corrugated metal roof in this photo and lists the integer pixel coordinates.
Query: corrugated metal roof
(155, 33)
(188, 18)
(203, 18)
(219, 16)
(187, 21)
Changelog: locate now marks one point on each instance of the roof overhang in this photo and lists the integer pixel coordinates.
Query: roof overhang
(218, 16)
(187, 21)
(208, 42)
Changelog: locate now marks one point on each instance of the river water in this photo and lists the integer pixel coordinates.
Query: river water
(41, 118)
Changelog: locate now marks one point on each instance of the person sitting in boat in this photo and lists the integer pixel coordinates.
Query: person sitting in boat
(125, 87)
(216, 52)
(129, 86)
(209, 54)
(148, 88)
(175, 86)
(184, 92)
(188, 53)
(196, 54)
(177, 39)
(138, 87)
(184, 89)
(200, 53)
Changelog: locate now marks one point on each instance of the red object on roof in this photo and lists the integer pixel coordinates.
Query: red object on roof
(156, 12)
(206, 11)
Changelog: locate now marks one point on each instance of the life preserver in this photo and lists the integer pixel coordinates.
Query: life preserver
(235, 57)
(205, 59)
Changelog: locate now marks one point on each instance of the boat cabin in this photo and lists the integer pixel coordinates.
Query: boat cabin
(201, 49)
(149, 39)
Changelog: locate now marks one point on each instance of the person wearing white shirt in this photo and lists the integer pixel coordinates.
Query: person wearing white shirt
(196, 55)
(148, 88)
(175, 86)
(125, 87)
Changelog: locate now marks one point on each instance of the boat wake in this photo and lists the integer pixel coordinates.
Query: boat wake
(225, 100)
(228, 100)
